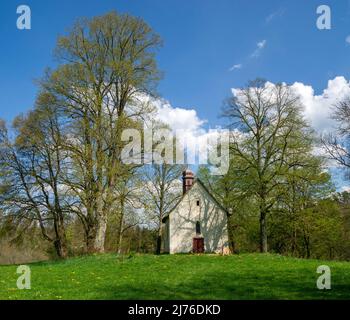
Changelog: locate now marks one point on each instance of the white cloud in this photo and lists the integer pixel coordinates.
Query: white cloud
(178, 118)
(276, 14)
(197, 142)
(347, 39)
(235, 67)
(183, 122)
(318, 108)
(260, 46)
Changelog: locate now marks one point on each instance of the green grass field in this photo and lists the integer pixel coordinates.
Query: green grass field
(245, 276)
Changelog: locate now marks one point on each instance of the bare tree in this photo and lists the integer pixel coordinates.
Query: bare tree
(32, 167)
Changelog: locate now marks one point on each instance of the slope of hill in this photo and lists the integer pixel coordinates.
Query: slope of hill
(245, 276)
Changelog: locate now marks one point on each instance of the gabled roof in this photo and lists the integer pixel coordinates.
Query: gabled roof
(205, 189)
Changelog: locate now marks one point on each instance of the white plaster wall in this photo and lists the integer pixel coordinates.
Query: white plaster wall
(182, 222)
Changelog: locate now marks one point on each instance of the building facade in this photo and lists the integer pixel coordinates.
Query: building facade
(198, 223)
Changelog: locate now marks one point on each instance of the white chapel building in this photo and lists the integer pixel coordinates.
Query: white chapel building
(197, 223)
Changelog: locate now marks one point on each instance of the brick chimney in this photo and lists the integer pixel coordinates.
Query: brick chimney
(187, 180)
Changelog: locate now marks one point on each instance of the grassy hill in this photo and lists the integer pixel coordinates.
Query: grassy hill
(246, 276)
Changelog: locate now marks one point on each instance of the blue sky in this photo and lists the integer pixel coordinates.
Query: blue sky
(203, 40)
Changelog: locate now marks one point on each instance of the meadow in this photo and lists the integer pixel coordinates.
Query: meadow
(236, 277)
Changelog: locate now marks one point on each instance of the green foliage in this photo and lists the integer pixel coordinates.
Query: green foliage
(106, 65)
(68, 149)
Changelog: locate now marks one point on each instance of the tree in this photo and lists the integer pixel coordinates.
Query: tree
(337, 144)
(127, 211)
(225, 191)
(161, 192)
(106, 66)
(306, 186)
(33, 165)
(271, 130)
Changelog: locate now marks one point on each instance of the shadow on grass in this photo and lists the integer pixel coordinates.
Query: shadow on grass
(223, 286)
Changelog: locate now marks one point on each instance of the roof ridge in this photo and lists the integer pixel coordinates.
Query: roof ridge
(205, 189)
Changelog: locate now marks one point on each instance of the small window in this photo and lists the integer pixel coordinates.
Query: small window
(198, 227)
(197, 203)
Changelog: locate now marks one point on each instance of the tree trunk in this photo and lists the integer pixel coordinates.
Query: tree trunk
(159, 241)
(61, 248)
(90, 235)
(120, 237)
(60, 241)
(230, 231)
(294, 240)
(307, 246)
(263, 233)
(99, 242)
(159, 236)
(121, 225)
